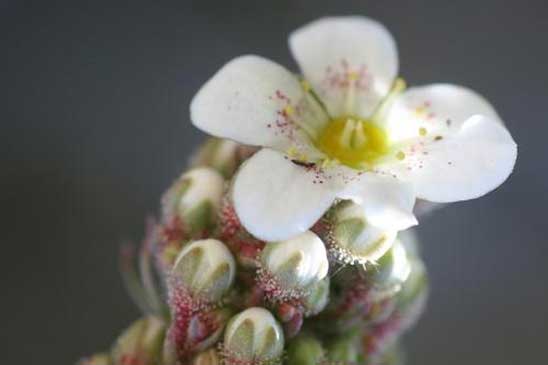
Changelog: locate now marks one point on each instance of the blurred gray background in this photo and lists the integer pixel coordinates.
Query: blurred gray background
(94, 126)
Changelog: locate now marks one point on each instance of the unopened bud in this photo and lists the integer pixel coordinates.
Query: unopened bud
(345, 350)
(192, 330)
(316, 297)
(390, 272)
(392, 356)
(253, 337)
(220, 154)
(205, 269)
(209, 357)
(140, 344)
(297, 263)
(412, 298)
(305, 350)
(97, 359)
(192, 203)
(353, 239)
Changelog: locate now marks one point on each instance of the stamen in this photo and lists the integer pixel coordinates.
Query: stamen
(382, 109)
(347, 133)
(305, 85)
(358, 137)
(350, 93)
(355, 142)
(289, 110)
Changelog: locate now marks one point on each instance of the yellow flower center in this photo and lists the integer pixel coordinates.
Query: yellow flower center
(352, 141)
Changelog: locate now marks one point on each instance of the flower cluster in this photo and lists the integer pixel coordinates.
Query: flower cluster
(287, 240)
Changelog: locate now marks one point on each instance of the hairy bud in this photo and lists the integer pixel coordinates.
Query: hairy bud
(390, 272)
(346, 349)
(205, 269)
(140, 344)
(221, 154)
(409, 304)
(316, 297)
(202, 274)
(192, 330)
(352, 238)
(305, 350)
(392, 356)
(411, 300)
(209, 357)
(253, 337)
(295, 264)
(193, 201)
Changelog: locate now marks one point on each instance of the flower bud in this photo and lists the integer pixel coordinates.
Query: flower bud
(205, 269)
(305, 350)
(392, 356)
(191, 205)
(97, 359)
(245, 247)
(409, 304)
(316, 297)
(209, 357)
(141, 343)
(253, 337)
(297, 263)
(219, 154)
(390, 272)
(345, 350)
(192, 330)
(352, 238)
(411, 300)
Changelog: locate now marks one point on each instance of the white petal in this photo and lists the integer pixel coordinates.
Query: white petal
(351, 62)
(424, 208)
(276, 199)
(254, 101)
(434, 108)
(387, 202)
(463, 163)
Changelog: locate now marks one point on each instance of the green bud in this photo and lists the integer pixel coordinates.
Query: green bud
(209, 357)
(390, 272)
(194, 200)
(411, 300)
(141, 343)
(205, 268)
(190, 338)
(255, 335)
(298, 262)
(392, 356)
(316, 297)
(305, 350)
(345, 350)
(97, 359)
(219, 154)
(354, 240)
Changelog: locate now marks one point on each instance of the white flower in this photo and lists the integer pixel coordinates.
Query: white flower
(367, 140)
